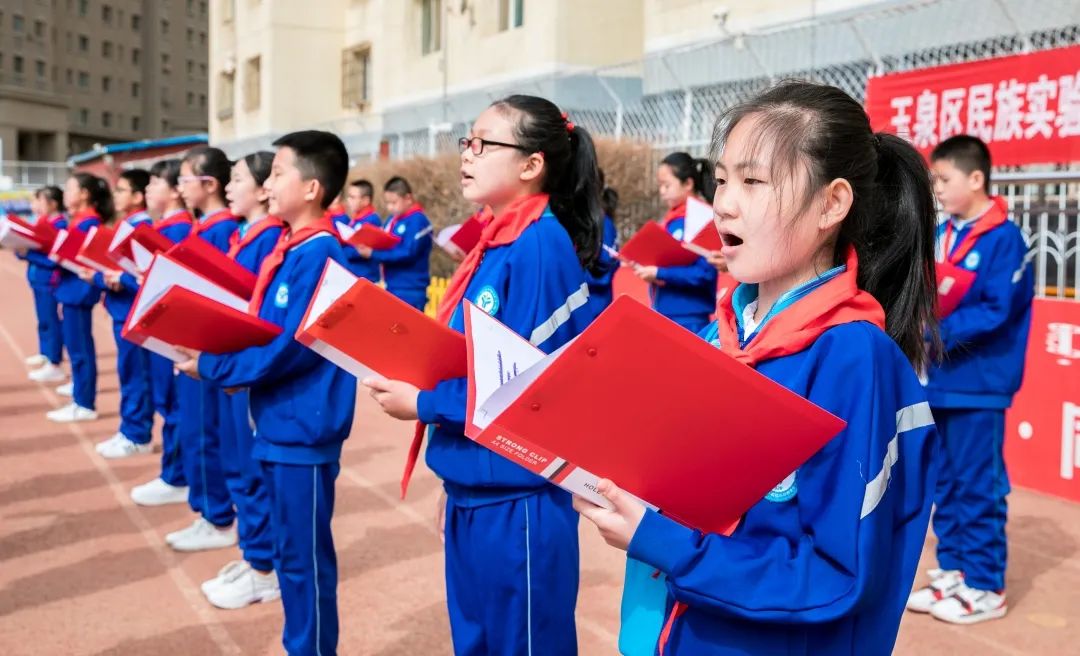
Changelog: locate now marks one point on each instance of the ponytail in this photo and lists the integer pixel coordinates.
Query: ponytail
(51, 194)
(824, 132)
(698, 171)
(571, 172)
(609, 200)
(100, 196)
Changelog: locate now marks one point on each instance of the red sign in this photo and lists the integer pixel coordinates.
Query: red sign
(1042, 429)
(1026, 107)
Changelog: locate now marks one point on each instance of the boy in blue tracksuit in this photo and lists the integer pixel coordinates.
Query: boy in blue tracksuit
(684, 294)
(984, 343)
(132, 362)
(251, 579)
(302, 405)
(42, 274)
(88, 201)
(823, 563)
(204, 173)
(359, 211)
(173, 221)
(510, 538)
(405, 267)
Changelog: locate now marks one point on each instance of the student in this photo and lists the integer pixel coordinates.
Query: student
(204, 172)
(171, 220)
(823, 564)
(985, 339)
(43, 275)
(132, 361)
(405, 266)
(301, 404)
(602, 274)
(684, 294)
(358, 203)
(510, 538)
(250, 579)
(88, 202)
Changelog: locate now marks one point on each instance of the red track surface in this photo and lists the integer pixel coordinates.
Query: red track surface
(85, 571)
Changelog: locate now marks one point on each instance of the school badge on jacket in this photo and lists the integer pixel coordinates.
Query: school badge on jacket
(487, 300)
(281, 298)
(785, 490)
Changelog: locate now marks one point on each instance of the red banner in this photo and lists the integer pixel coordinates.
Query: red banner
(1026, 107)
(1042, 430)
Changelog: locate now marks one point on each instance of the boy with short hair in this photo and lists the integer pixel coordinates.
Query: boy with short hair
(358, 203)
(405, 267)
(301, 404)
(985, 339)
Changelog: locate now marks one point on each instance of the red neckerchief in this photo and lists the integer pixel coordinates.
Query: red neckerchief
(237, 243)
(677, 212)
(498, 231)
(80, 216)
(52, 219)
(997, 214)
(836, 302)
(272, 263)
(415, 208)
(211, 220)
(370, 210)
(176, 217)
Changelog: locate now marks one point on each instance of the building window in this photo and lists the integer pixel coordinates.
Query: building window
(511, 14)
(190, 68)
(191, 8)
(356, 77)
(84, 7)
(135, 56)
(84, 80)
(39, 29)
(134, 123)
(106, 49)
(226, 93)
(17, 62)
(40, 69)
(202, 70)
(164, 126)
(134, 89)
(228, 10)
(84, 116)
(106, 83)
(252, 83)
(164, 26)
(202, 8)
(106, 14)
(69, 75)
(190, 36)
(17, 23)
(202, 101)
(84, 43)
(106, 119)
(165, 68)
(202, 38)
(190, 99)
(136, 22)
(430, 26)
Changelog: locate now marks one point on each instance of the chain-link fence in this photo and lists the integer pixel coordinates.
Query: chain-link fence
(671, 98)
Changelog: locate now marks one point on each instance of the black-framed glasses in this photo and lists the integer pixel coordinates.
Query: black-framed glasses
(476, 145)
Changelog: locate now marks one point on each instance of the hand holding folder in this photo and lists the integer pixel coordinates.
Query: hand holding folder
(654, 246)
(953, 283)
(65, 250)
(703, 448)
(460, 238)
(15, 235)
(366, 331)
(176, 306)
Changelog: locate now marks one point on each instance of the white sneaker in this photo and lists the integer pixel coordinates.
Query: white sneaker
(105, 444)
(71, 413)
(970, 606)
(227, 572)
(47, 373)
(123, 448)
(943, 583)
(67, 389)
(243, 586)
(36, 360)
(202, 536)
(158, 493)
